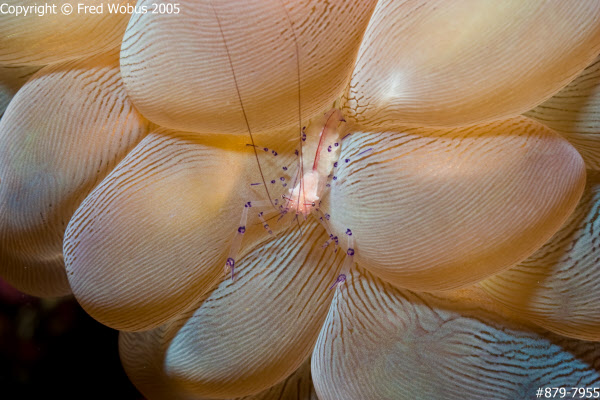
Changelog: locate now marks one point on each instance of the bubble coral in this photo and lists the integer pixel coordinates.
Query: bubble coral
(125, 166)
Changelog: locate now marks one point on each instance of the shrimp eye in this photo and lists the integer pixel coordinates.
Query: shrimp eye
(313, 204)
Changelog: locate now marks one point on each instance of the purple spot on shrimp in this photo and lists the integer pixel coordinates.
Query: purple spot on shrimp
(285, 184)
(285, 168)
(248, 204)
(296, 152)
(366, 151)
(328, 185)
(348, 232)
(329, 149)
(254, 184)
(282, 179)
(347, 160)
(335, 178)
(327, 216)
(335, 164)
(347, 134)
(242, 229)
(350, 252)
(265, 149)
(336, 144)
(276, 200)
(273, 181)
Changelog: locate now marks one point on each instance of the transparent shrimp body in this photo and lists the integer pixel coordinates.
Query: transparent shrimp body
(316, 165)
(317, 156)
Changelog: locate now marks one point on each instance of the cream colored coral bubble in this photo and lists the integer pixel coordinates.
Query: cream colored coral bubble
(154, 235)
(383, 343)
(145, 243)
(574, 112)
(62, 133)
(43, 37)
(452, 63)
(441, 209)
(246, 335)
(557, 286)
(188, 71)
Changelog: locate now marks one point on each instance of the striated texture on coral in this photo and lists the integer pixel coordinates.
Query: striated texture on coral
(197, 92)
(35, 39)
(574, 112)
(440, 63)
(246, 335)
(65, 130)
(11, 80)
(303, 200)
(461, 203)
(424, 346)
(557, 286)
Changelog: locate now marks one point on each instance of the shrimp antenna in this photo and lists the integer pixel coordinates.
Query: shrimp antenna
(287, 14)
(237, 89)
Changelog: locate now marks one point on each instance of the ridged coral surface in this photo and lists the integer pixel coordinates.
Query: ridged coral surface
(370, 200)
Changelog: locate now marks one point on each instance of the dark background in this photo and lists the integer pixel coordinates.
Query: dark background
(50, 348)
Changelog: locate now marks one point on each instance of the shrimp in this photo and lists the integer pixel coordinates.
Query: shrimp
(311, 179)
(306, 195)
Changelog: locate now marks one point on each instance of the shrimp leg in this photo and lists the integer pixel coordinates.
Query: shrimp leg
(264, 223)
(332, 238)
(348, 262)
(237, 240)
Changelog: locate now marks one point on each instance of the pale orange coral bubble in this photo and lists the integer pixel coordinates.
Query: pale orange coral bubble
(142, 361)
(35, 39)
(62, 133)
(383, 343)
(435, 209)
(153, 236)
(452, 63)
(179, 69)
(557, 287)
(574, 112)
(246, 335)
